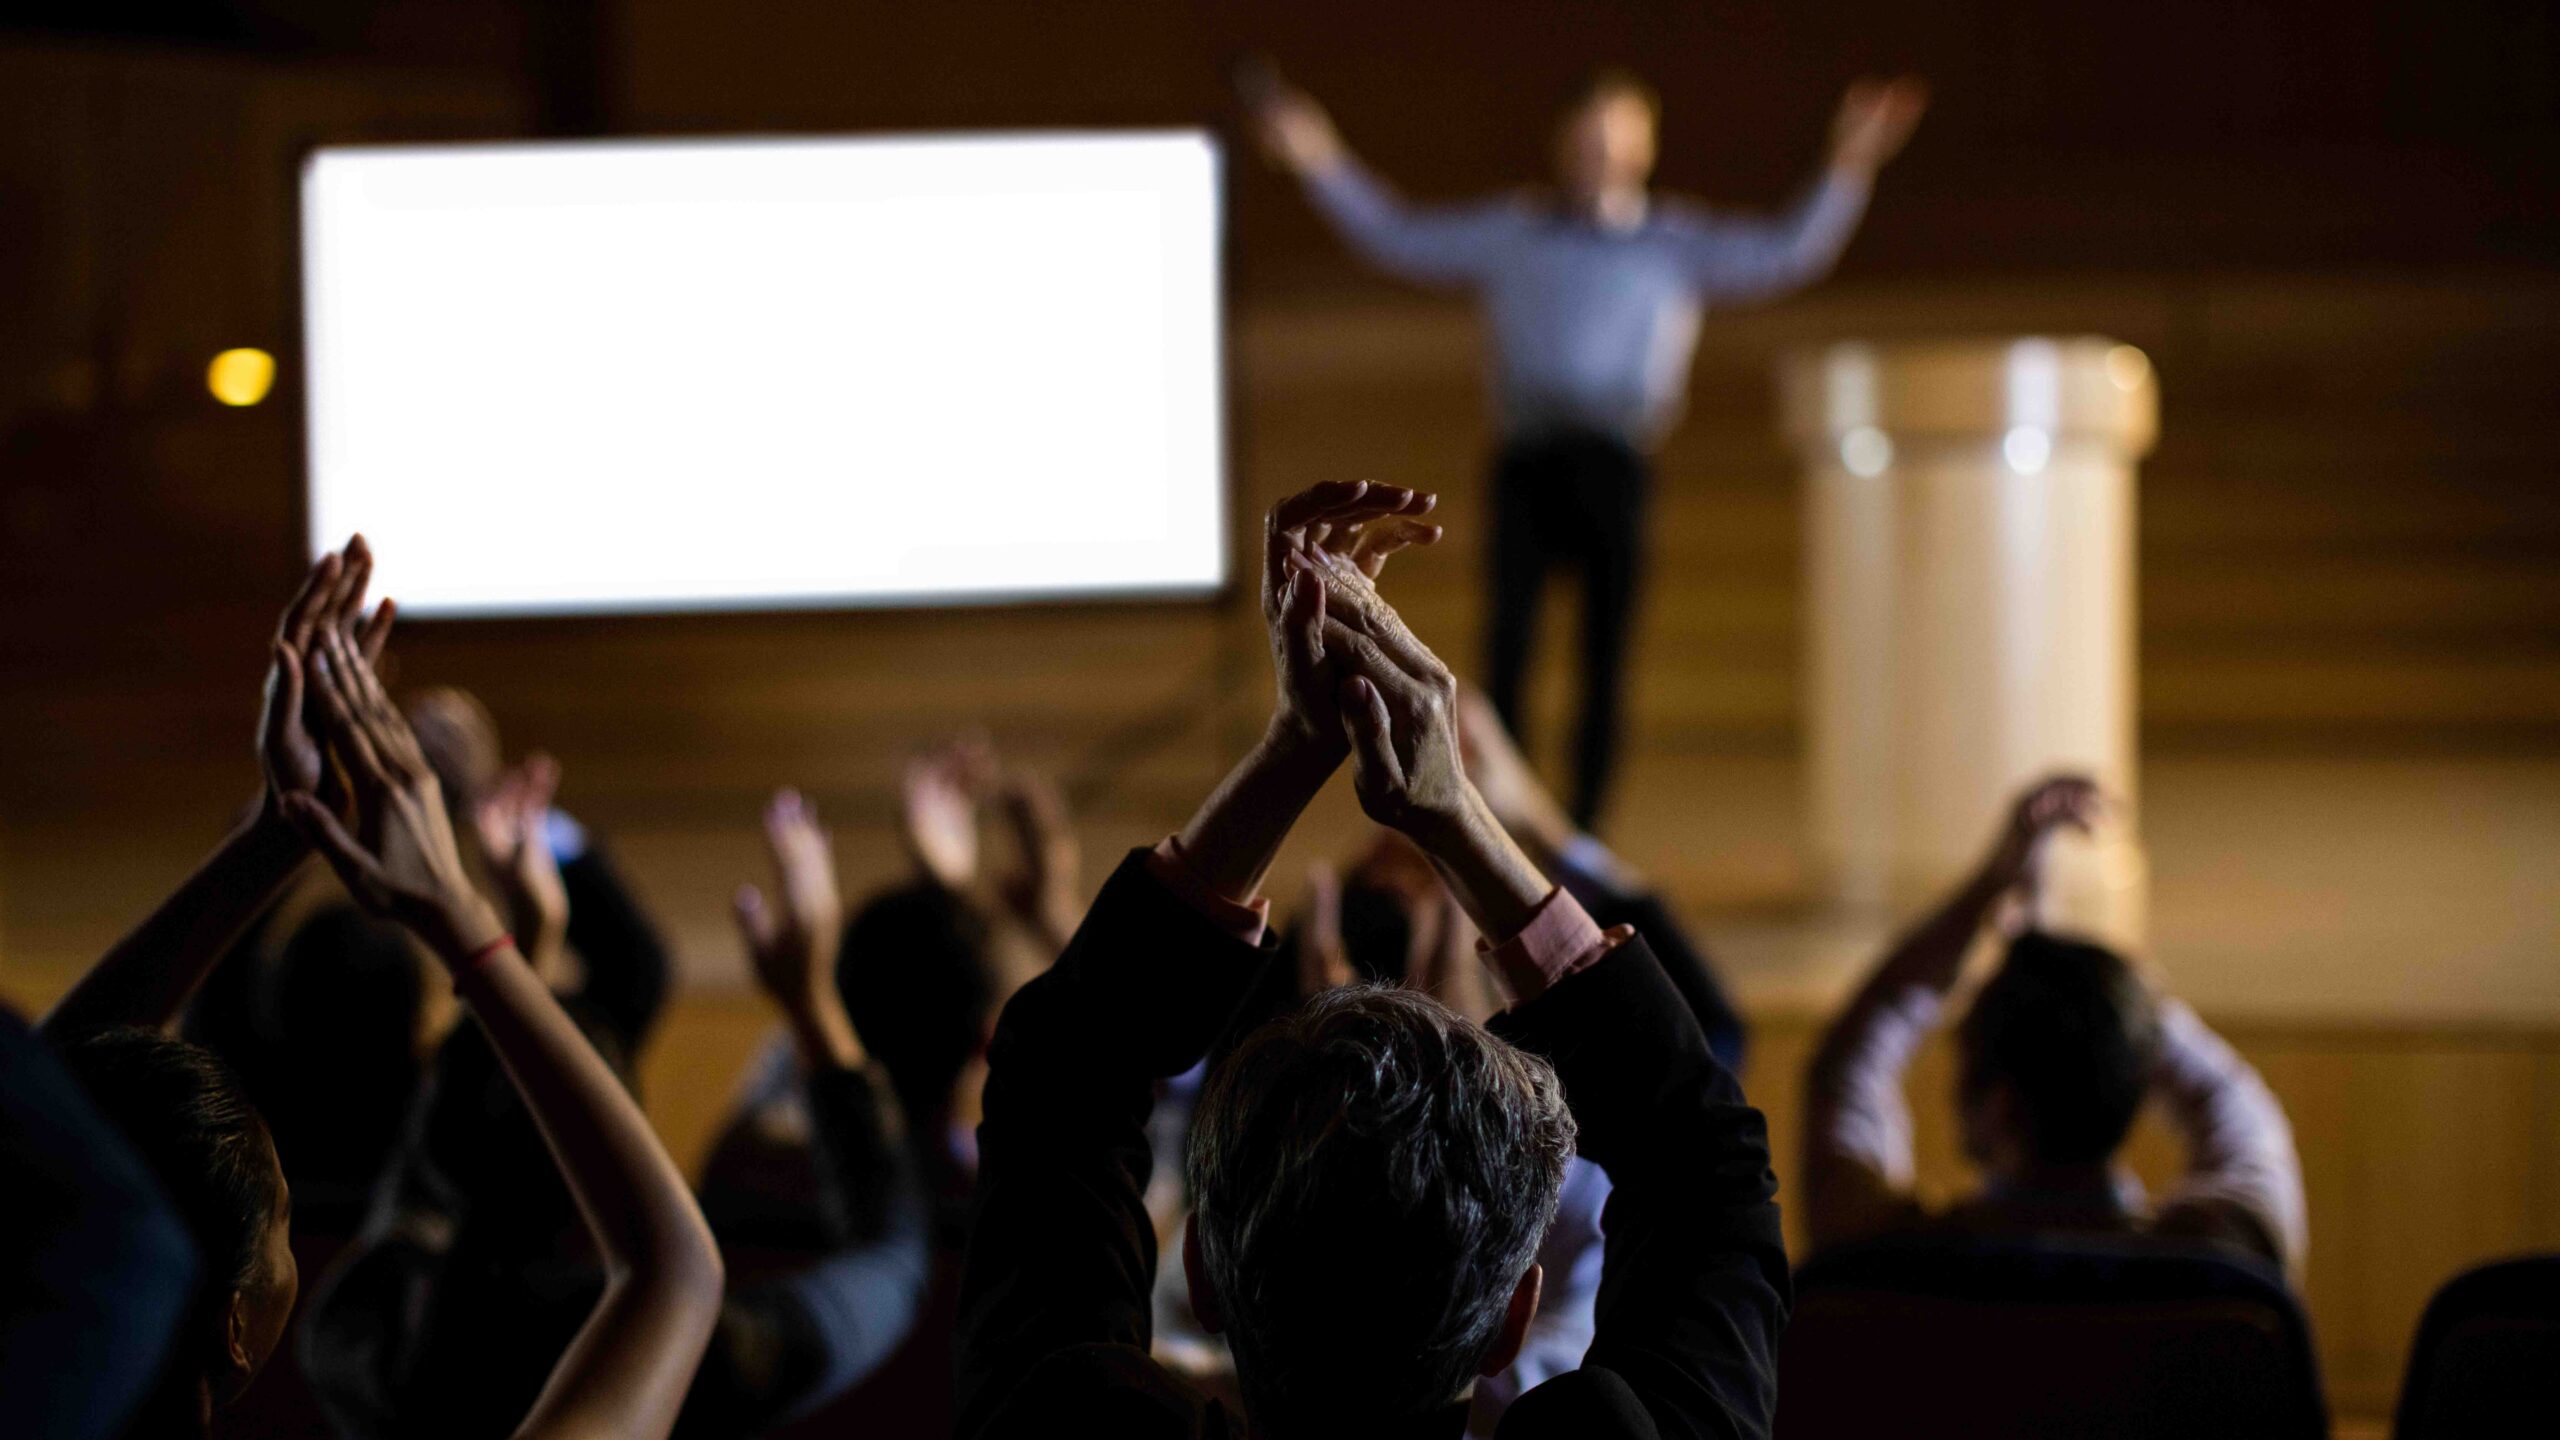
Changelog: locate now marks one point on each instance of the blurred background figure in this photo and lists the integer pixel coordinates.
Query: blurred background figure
(1592, 295)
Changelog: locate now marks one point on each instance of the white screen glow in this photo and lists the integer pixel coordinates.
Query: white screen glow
(767, 374)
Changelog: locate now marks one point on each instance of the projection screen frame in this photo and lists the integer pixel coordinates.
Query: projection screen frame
(1234, 562)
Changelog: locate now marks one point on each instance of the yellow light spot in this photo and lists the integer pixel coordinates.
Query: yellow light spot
(240, 377)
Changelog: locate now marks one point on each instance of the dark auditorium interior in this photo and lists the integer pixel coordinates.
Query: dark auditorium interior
(2330, 232)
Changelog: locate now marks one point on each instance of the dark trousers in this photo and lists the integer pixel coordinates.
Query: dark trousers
(1575, 499)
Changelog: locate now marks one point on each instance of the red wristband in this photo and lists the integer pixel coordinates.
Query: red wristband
(476, 958)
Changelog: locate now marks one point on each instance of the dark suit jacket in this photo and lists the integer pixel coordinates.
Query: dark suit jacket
(1054, 1302)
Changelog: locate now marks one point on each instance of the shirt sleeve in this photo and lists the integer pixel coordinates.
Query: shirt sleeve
(1560, 938)
(1858, 1166)
(1429, 245)
(2244, 1180)
(1736, 261)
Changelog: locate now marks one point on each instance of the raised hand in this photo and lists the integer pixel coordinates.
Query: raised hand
(400, 860)
(1294, 130)
(2046, 806)
(331, 598)
(1348, 528)
(1042, 892)
(1875, 121)
(939, 797)
(793, 948)
(510, 824)
(1398, 705)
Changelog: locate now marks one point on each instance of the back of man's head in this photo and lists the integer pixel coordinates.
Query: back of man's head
(2069, 1030)
(1372, 1175)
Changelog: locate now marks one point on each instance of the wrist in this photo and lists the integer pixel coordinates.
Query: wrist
(824, 1033)
(459, 927)
(1290, 740)
(272, 833)
(1493, 880)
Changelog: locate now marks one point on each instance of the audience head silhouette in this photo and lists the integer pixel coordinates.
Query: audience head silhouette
(1373, 1144)
(2055, 1056)
(916, 972)
(186, 1115)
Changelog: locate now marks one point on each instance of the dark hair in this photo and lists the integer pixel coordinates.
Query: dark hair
(1377, 933)
(187, 1117)
(1609, 82)
(919, 982)
(2071, 1030)
(1373, 1174)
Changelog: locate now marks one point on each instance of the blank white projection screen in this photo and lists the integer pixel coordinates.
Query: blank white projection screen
(768, 374)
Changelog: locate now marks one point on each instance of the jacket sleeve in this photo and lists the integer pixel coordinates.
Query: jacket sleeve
(1693, 1290)
(1061, 1251)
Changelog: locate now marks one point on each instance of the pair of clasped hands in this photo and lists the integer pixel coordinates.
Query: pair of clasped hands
(1352, 676)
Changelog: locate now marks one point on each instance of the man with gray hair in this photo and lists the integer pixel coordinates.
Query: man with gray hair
(1373, 1172)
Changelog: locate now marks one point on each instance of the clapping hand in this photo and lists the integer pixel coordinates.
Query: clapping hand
(290, 751)
(1875, 121)
(1294, 130)
(1042, 890)
(510, 823)
(793, 948)
(1345, 528)
(938, 808)
(2049, 805)
(400, 859)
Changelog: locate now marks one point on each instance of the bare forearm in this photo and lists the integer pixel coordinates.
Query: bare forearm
(1931, 955)
(634, 1199)
(1231, 840)
(627, 1371)
(152, 972)
(824, 1035)
(1493, 880)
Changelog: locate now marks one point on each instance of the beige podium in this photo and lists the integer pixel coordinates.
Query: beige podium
(1969, 534)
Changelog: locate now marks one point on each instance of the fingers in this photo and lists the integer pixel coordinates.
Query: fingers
(386, 727)
(347, 734)
(1302, 621)
(302, 612)
(1379, 539)
(791, 828)
(1364, 717)
(1371, 616)
(1340, 502)
(1314, 503)
(284, 711)
(347, 610)
(377, 631)
(355, 867)
(755, 918)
